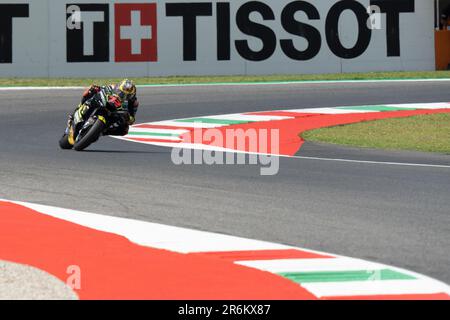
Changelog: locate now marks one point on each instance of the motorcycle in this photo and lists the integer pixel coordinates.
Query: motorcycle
(80, 134)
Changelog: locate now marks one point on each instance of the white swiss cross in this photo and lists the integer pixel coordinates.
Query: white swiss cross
(136, 32)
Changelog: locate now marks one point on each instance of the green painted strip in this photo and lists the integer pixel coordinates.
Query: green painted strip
(157, 134)
(214, 121)
(375, 108)
(346, 276)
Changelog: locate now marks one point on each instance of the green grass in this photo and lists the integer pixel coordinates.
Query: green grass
(226, 79)
(428, 133)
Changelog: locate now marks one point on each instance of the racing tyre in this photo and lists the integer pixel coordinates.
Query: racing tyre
(91, 136)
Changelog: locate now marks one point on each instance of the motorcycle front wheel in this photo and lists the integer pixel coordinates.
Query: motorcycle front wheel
(91, 136)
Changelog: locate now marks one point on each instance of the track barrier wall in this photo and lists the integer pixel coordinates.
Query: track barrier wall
(101, 38)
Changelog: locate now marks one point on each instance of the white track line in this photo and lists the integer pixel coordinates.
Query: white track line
(40, 88)
(405, 164)
(193, 146)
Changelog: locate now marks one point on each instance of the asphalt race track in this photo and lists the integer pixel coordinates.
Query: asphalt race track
(398, 215)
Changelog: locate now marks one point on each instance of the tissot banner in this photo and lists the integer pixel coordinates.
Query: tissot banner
(79, 38)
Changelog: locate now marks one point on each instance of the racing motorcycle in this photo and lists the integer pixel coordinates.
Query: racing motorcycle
(103, 115)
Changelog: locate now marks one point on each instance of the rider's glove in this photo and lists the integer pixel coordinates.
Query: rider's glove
(114, 101)
(94, 89)
(91, 91)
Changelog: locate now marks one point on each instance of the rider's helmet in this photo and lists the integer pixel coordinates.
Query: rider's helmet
(125, 90)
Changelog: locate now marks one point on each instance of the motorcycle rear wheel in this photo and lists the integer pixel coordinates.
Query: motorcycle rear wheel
(91, 136)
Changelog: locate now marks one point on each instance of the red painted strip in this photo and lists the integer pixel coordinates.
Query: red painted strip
(153, 140)
(264, 255)
(288, 143)
(114, 268)
(290, 129)
(434, 296)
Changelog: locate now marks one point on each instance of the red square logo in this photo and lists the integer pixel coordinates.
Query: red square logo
(135, 32)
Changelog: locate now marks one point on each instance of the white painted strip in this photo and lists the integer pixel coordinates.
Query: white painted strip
(167, 144)
(247, 117)
(155, 130)
(173, 123)
(169, 139)
(312, 265)
(156, 235)
(134, 133)
(368, 288)
(329, 111)
(198, 146)
(442, 105)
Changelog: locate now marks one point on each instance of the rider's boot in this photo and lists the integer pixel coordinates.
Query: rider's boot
(70, 120)
(74, 118)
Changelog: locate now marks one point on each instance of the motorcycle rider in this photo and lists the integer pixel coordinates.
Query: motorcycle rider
(120, 97)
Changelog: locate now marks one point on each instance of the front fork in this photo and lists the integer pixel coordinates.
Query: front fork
(74, 119)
